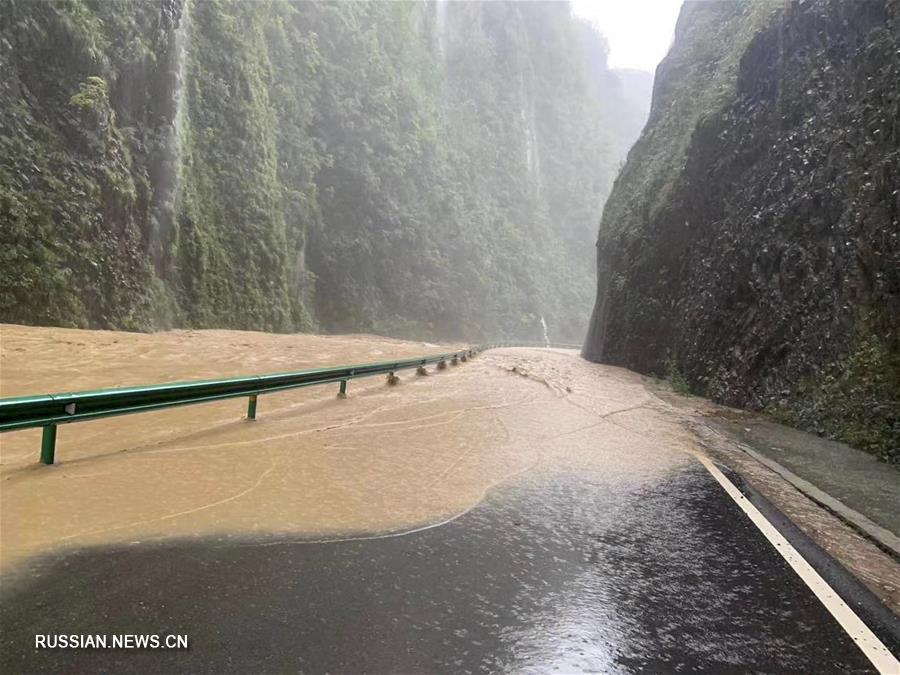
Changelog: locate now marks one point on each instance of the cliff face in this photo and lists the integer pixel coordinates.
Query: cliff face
(750, 248)
(416, 169)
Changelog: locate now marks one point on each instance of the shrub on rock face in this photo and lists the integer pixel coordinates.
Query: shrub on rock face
(856, 400)
(92, 100)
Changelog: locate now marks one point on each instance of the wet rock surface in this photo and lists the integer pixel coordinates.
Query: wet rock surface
(751, 246)
(557, 572)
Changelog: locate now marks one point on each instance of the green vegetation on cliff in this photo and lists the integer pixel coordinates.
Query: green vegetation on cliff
(751, 246)
(413, 169)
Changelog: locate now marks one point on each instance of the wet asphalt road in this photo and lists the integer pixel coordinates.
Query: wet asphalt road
(551, 573)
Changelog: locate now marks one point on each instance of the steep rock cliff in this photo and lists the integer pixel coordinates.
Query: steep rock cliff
(750, 248)
(415, 169)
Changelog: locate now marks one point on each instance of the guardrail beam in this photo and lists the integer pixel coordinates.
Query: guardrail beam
(49, 410)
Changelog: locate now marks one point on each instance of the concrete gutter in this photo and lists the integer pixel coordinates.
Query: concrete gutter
(879, 535)
(885, 539)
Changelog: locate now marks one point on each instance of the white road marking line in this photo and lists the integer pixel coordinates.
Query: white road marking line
(864, 638)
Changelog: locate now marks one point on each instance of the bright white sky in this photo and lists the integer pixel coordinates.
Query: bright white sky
(639, 31)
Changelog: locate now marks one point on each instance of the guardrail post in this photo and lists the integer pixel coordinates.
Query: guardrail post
(251, 408)
(392, 379)
(343, 391)
(48, 444)
(442, 364)
(421, 370)
(454, 361)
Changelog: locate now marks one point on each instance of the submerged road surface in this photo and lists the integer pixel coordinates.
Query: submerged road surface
(555, 574)
(526, 512)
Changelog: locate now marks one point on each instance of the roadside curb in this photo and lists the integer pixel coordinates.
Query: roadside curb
(878, 617)
(880, 536)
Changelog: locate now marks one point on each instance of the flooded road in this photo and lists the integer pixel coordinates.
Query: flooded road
(525, 511)
(386, 459)
(559, 573)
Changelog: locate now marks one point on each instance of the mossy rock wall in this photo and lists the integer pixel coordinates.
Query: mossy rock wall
(751, 247)
(287, 166)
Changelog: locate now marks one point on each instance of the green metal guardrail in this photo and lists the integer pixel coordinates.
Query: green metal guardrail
(50, 410)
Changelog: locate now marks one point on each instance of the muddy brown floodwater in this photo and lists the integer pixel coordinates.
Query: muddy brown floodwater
(557, 519)
(386, 459)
